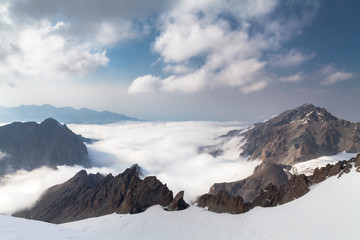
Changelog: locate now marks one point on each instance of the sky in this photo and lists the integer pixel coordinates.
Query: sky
(223, 60)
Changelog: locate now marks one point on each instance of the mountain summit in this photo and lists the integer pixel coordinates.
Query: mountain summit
(297, 135)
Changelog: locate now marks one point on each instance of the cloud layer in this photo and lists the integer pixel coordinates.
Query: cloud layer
(170, 152)
(167, 150)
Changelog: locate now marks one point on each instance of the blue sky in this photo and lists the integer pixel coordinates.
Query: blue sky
(182, 60)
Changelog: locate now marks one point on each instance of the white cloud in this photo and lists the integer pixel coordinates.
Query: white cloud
(216, 44)
(254, 87)
(143, 84)
(231, 55)
(293, 78)
(292, 58)
(43, 50)
(111, 32)
(331, 75)
(35, 46)
(192, 82)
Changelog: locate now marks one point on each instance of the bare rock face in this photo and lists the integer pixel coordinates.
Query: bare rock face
(298, 135)
(178, 203)
(272, 195)
(222, 202)
(249, 187)
(86, 196)
(31, 145)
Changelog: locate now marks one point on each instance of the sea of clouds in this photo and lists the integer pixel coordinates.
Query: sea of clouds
(167, 150)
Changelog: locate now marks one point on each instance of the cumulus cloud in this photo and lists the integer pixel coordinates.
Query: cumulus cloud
(147, 83)
(217, 44)
(293, 78)
(331, 75)
(55, 39)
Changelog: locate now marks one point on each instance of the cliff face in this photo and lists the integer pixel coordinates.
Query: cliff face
(298, 135)
(86, 196)
(31, 145)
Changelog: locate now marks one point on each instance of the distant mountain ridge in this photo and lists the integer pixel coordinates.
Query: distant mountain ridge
(296, 135)
(63, 114)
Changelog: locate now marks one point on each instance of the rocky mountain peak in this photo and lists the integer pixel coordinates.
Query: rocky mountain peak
(300, 134)
(31, 145)
(303, 114)
(296, 135)
(51, 122)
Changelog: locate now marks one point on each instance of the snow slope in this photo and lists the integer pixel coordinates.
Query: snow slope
(308, 167)
(12, 228)
(328, 211)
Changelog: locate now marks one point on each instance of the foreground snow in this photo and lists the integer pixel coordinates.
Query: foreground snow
(23, 229)
(329, 211)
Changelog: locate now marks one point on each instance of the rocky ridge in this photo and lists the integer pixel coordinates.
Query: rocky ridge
(31, 145)
(297, 135)
(272, 195)
(85, 196)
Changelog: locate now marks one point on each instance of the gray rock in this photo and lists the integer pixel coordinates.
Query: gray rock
(30, 145)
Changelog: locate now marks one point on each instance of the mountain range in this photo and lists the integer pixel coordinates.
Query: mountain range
(64, 114)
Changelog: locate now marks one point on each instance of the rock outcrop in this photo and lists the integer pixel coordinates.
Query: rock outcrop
(178, 203)
(86, 196)
(249, 187)
(271, 195)
(297, 135)
(31, 145)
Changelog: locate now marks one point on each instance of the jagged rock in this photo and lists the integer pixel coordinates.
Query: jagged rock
(357, 163)
(31, 145)
(297, 135)
(85, 196)
(264, 165)
(248, 188)
(272, 195)
(223, 202)
(178, 203)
